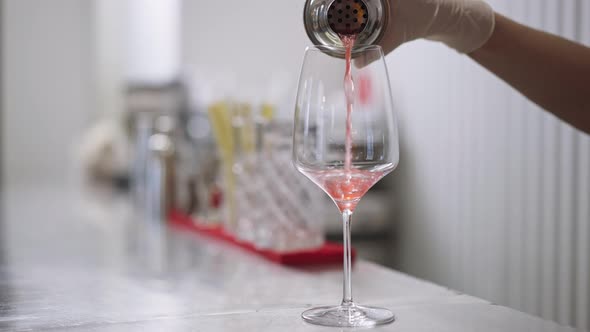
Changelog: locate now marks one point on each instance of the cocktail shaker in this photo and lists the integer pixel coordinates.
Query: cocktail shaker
(326, 21)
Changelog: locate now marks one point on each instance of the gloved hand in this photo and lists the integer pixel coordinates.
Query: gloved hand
(464, 25)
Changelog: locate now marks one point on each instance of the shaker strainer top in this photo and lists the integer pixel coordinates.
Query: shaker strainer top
(347, 17)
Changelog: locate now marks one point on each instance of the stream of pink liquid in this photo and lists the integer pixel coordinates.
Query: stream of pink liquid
(348, 41)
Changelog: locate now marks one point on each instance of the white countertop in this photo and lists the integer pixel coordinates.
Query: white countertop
(73, 263)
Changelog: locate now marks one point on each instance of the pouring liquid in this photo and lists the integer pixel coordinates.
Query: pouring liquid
(348, 41)
(347, 186)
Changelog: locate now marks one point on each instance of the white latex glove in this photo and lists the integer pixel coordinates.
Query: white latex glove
(464, 25)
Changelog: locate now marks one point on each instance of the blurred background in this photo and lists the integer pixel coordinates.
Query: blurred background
(492, 194)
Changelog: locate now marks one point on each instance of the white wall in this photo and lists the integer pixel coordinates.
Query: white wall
(494, 191)
(46, 97)
(253, 39)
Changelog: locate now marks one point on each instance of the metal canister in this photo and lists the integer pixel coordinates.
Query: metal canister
(326, 21)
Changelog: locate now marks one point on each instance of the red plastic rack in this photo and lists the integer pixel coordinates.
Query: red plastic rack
(329, 253)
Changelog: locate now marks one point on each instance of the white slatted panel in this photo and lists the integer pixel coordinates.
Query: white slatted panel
(533, 189)
(582, 300)
(550, 185)
(567, 204)
(495, 192)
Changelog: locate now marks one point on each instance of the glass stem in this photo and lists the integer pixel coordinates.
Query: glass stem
(347, 290)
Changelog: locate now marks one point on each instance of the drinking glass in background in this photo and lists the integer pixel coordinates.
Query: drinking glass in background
(286, 194)
(202, 169)
(261, 195)
(319, 151)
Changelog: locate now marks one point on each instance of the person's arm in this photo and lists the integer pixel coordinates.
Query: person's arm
(549, 70)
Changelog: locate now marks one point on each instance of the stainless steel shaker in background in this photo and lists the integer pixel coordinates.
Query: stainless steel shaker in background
(155, 110)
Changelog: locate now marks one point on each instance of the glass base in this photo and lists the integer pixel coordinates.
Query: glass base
(348, 316)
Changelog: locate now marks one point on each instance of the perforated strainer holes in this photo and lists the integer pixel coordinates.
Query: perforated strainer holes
(347, 17)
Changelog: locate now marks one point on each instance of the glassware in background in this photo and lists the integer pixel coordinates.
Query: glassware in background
(320, 152)
(206, 164)
(269, 218)
(159, 198)
(244, 167)
(220, 115)
(154, 109)
(261, 196)
(298, 228)
(143, 131)
(231, 154)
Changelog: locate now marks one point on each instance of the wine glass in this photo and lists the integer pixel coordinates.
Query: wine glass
(345, 168)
